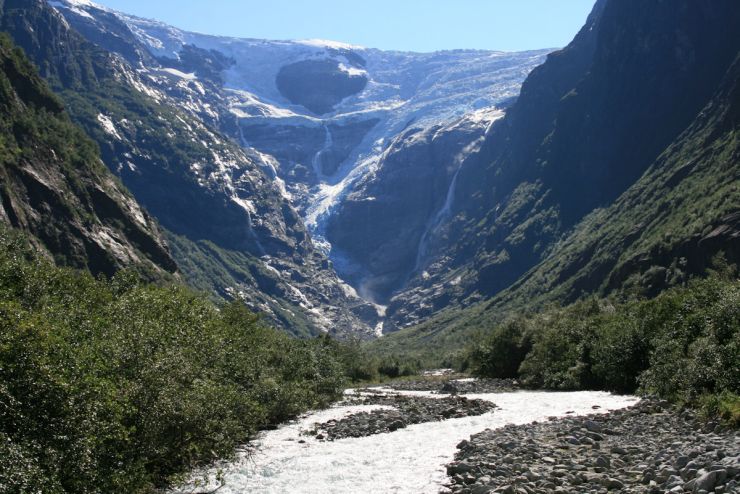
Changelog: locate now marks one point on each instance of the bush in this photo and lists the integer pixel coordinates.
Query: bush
(509, 342)
(725, 406)
(681, 345)
(115, 385)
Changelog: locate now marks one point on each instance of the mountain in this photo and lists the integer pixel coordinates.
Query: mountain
(587, 125)
(231, 229)
(327, 123)
(616, 172)
(54, 186)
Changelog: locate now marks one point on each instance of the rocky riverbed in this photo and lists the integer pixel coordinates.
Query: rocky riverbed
(648, 448)
(409, 460)
(397, 412)
(444, 385)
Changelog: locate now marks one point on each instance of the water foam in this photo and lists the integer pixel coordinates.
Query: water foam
(411, 460)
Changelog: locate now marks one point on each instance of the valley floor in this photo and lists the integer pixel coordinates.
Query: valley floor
(299, 457)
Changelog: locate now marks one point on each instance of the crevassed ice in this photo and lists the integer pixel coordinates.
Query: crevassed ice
(411, 460)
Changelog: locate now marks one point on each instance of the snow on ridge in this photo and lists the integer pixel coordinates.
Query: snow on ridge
(82, 3)
(76, 6)
(325, 43)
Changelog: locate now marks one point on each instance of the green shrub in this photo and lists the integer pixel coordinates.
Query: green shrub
(509, 342)
(681, 345)
(725, 406)
(116, 385)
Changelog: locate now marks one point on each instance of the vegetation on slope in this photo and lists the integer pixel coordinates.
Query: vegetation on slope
(115, 385)
(682, 345)
(216, 271)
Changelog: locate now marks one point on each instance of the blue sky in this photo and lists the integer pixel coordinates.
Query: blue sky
(418, 25)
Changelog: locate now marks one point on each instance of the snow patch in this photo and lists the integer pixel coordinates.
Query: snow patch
(107, 124)
(325, 43)
(180, 74)
(352, 71)
(245, 204)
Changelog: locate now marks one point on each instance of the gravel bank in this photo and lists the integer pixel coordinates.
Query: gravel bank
(406, 410)
(648, 448)
(458, 386)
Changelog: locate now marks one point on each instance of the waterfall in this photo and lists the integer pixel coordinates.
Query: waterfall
(446, 208)
(436, 220)
(319, 156)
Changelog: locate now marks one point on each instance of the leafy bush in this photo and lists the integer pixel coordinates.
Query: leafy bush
(681, 345)
(115, 385)
(510, 342)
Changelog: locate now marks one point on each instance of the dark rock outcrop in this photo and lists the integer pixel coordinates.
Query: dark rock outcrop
(319, 85)
(382, 225)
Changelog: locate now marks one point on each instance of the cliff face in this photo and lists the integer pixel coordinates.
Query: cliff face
(679, 218)
(587, 125)
(54, 186)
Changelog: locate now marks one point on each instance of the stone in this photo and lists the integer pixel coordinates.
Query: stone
(708, 481)
(673, 481)
(592, 426)
(458, 468)
(612, 483)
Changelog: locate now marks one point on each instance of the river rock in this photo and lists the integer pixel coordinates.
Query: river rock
(403, 411)
(648, 448)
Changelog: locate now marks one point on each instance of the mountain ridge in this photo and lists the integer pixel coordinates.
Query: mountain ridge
(317, 161)
(202, 187)
(586, 126)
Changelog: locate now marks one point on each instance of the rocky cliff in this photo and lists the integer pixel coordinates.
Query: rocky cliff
(677, 219)
(587, 125)
(54, 186)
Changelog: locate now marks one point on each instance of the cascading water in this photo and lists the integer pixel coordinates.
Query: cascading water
(318, 159)
(444, 211)
(410, 460)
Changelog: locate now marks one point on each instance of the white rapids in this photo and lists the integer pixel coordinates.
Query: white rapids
(410, 460)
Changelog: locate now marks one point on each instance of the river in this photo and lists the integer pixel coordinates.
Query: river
(410, 460)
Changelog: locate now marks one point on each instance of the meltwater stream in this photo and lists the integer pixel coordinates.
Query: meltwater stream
(410, 460)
